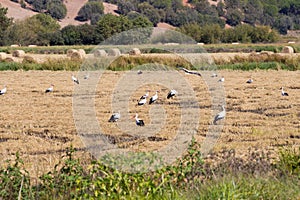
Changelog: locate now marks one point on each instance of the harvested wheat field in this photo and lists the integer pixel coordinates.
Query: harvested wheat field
(40, 126)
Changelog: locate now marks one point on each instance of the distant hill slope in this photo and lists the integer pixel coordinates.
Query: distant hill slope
(15, 11)
(73, 6)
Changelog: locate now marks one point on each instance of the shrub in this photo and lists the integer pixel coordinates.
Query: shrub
(289, 161)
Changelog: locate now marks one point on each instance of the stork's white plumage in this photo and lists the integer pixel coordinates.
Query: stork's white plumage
(283, 93)
(3, 91)
(154, 98)
(222, 79)
(115, 117)
(138, 121)
(50, 89)
(214, 75)
(171, 94)
(74, 79)
(142, 101)
(220, 115)
(250, 80)
(145, 95)
(86, 76)
(190, 72)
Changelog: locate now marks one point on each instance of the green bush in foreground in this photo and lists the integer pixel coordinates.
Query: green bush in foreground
(189, 178)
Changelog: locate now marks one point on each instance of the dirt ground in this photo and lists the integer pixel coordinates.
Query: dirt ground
(41, 126)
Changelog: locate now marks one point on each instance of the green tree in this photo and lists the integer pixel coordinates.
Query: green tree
(159, 4)
(124, 7)
(71, 35)
(39, 5)
(150, 12)
(57, 9)
(262, 34)
(229, 36)
(221, 9)
(34, 30)
(243, 33)
(89, 9)
(88, 34)
(193, 30)
(284, 23)
(109, 25)
(234, 17)
(211, 34)
(5, 22)
(141, 22)
(253, 11)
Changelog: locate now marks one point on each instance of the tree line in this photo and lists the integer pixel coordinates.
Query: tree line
(43, 29)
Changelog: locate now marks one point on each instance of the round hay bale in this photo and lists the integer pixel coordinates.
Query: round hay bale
(18, 53)
(82, 52)
(114, 52)
(14, 45)
(135, 51)
(268, 53)
(28, 59)
(70, 52)
(76, 56)
(3, 56)
(32, 45)
(287, 49)
(8, 59)
(100, 53)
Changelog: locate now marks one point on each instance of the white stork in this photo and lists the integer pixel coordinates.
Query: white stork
(171, 94)
(220, 115)
(153, 98)
(50, 89)
(190, 72)
(115, 117)
(142, 101)
(145, 95)
(222, 79)
(138, 121)
(250, 80)
(3, 91)
(86, 76)
(214, 75)
(283, 93)
(139, 72)
(74, 79)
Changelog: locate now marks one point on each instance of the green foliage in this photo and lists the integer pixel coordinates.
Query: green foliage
(188, 178)
(289, 161)
(150, 12)
(39, 5)
(247, 187)
(57, 9)
(30, 64)
(33, 30)
(5, 22)
(89, 10)
(14, 180)
(109, 25)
